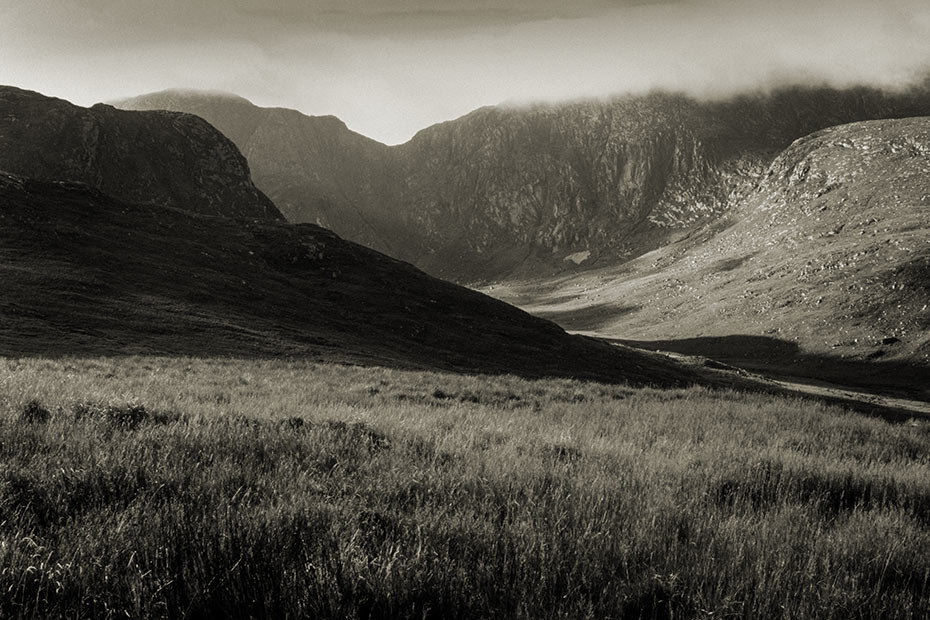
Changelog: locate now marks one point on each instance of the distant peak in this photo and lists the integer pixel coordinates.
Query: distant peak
(335, 120)
(187, 94)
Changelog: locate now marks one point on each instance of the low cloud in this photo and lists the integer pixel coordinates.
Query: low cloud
(393, 67)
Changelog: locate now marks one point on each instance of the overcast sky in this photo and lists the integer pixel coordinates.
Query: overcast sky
(391, 67)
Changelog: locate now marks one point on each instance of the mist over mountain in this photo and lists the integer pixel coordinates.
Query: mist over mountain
(507, 191)
(173, 159)
(393, 67)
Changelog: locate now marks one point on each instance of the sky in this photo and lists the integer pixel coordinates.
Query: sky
(391, 67)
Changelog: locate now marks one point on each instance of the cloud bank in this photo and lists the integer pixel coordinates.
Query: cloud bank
(393, 67)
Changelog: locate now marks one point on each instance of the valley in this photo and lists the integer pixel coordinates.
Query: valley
(820, 272)
(690, 378)
(658, 221)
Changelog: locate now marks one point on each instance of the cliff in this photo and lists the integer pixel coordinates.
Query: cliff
(168, 158)
(522, 191)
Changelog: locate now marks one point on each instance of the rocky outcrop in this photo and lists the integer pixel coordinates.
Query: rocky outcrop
(168, 158)
(828, 258)
(314, 168)
(517, 191)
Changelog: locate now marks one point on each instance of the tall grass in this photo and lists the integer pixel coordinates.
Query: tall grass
(166, 488)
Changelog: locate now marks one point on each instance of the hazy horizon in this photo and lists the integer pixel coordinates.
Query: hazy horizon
(392, 69)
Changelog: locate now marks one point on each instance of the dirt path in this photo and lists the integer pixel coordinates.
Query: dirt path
(892, 388)
(719, 374)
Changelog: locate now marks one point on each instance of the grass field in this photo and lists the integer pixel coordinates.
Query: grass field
(151, 487)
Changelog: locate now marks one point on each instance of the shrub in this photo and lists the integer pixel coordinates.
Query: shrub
(35, 413)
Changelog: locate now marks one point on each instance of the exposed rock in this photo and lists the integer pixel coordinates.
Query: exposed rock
(514, 191)
(167, 158)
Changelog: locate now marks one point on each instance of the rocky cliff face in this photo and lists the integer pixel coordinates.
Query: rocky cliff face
(826, 261)
(313, 167)
(525, 190)
(168, 158)
(500, 189)
(506, 191)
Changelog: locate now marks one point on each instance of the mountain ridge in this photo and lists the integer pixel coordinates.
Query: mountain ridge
(171, 158)
(510, 191)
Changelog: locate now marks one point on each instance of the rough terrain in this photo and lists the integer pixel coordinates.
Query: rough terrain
(513, 191)
(822, 271)
(167, 158)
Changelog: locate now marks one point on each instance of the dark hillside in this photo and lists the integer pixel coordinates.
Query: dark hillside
(167, 158)
(85, 274)
(313, 167)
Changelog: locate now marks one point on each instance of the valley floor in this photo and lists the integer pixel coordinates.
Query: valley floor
(789, 383)
(156, 487)
(608, 304)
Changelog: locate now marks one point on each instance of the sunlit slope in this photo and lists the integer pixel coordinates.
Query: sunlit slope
(829, 256)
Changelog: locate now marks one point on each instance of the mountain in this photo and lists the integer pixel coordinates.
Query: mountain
(823, 270)
(86, 274)
(168, 158)
(507, 192)
(313, 167)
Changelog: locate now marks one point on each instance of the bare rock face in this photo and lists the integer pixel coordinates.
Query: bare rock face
(503, 190)
(167, 158)
(312, 167)
(823, 269)
(524, 191)
(517, 191)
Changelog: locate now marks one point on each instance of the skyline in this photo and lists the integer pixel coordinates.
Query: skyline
(392, 69)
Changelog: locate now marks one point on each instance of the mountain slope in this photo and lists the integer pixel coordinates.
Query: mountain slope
(313, 167)
(167, 158)
(602, 182)
(829, 257)
(83, 273)
(517, 191)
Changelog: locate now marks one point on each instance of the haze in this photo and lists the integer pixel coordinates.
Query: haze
(393, 67)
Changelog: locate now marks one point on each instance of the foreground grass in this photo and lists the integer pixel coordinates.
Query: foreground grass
(231, 488)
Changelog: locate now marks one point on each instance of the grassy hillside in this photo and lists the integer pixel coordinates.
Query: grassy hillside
(823, 270)
(177, 487)
(83, 273)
